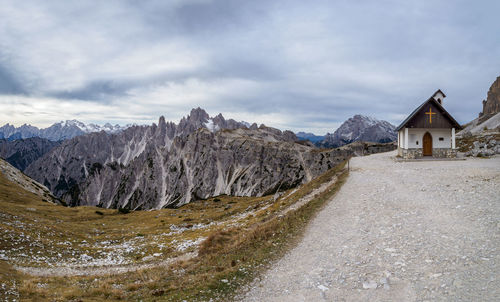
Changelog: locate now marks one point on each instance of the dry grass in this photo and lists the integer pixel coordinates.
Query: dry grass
(249, 233)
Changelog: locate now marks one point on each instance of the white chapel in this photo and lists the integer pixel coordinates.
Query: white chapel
(428, 131)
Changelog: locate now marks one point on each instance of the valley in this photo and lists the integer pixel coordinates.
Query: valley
(61, 253)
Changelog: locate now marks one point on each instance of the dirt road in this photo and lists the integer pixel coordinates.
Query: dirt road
(410, 231)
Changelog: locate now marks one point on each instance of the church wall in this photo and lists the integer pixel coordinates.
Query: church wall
(401, 135)
(440, 149)
(399, 143)
(416, 135)
(443, 133)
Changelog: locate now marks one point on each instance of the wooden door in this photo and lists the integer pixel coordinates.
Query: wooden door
(427, 144)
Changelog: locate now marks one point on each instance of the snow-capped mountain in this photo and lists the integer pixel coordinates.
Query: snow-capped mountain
(360, 128)
(58, 131)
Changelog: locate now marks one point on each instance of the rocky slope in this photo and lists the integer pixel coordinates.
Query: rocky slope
(168, 165)
(360, 128)
(25, 183)
(58, 131)
(479, 125)
(22, 152)
(482, 144)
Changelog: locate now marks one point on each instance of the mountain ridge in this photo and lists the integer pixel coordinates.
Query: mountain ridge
(310, 136)
(360, 128)
(168, 164)
(57, 131)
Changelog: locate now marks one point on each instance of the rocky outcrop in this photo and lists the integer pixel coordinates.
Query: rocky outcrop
(21, 153)
(360, 128)
(237, 162)
(168, 165)
(491, 105)
(484, 148)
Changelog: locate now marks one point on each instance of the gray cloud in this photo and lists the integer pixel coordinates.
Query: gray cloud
(8, 83)
(291, 64)
(96, 90)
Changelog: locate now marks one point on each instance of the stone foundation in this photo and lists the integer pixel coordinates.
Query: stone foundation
(414, 153)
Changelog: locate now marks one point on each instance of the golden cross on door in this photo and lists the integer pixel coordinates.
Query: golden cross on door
(430, 113)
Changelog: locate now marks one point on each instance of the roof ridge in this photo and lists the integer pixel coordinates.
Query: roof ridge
(440, 106)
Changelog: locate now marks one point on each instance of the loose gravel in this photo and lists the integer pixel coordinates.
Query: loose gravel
(398, 231)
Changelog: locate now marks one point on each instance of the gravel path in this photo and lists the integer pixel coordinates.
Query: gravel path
(410, 231)
(66, 271)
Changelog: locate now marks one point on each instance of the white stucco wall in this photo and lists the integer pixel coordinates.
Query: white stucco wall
(417, 134)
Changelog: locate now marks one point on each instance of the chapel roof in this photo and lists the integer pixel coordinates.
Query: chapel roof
(438, 105)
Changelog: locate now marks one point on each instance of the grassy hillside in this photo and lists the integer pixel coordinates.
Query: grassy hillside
(203, 250)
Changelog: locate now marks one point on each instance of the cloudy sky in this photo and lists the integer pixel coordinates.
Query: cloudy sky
(300, 65)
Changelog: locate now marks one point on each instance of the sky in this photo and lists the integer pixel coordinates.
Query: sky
(298, 65)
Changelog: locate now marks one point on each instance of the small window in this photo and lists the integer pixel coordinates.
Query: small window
(441, 139)
(416, 143)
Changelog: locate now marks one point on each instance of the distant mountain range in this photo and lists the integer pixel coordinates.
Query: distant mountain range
(24, 145)
(310, 137)
(360, 128)
(58, 131)
(168, 164)
(357, 128)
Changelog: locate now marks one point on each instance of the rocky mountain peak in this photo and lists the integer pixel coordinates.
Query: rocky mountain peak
(360, 128)
(491, 105)
(161, 122)
(196, 119)
(198, 115)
